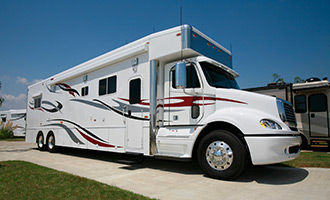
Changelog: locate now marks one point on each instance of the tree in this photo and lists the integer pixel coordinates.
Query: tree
(278, 79)
(1, 99)
(297, 79)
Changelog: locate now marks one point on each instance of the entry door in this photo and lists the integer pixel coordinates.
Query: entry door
(134, 124)
(183, 106)
(318, 115)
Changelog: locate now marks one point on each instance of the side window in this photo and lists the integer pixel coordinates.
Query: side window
(135, 91)
(108, 85)
(192, 77)
(317, 103)
(102, 86)
(112, 84)
(84, 91)
(300, 104)
(37, 102)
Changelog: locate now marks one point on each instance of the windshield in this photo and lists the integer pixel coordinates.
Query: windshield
(216, 77)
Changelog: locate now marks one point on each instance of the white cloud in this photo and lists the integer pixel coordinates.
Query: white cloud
(14, 102)
(22, 80)
(36, 81)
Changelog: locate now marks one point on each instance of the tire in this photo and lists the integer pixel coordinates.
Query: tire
(50, 143)
(222, 155)
(40, 142)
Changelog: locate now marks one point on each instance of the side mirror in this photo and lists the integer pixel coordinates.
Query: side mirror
(180, 75)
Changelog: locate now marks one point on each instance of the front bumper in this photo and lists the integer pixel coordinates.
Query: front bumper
(270, 149)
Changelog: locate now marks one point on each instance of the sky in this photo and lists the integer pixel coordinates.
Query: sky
(40, 38)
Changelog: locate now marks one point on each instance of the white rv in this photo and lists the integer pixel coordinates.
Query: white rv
(17, 117)
(311, 101)
(171, 94)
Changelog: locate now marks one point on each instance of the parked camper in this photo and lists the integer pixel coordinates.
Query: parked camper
(171, 94)
(18, 118)
(311, 103)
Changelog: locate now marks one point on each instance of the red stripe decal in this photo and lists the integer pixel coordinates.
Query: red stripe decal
(91, 140)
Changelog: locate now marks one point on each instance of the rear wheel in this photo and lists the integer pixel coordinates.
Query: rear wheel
(222, 155)
(40, 141)
(51, 147)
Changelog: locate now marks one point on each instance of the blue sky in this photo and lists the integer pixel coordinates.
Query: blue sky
(39, 38)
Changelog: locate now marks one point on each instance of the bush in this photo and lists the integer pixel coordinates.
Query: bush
(6, 130)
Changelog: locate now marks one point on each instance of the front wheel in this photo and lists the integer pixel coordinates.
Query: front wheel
(222, 155)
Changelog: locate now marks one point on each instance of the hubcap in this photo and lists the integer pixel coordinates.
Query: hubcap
(51, 142)
(219, 155)
(40, 142)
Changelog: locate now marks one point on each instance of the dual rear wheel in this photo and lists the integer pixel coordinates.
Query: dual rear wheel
(49, 144)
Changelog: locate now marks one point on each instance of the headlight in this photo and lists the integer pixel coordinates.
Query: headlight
(266, 123)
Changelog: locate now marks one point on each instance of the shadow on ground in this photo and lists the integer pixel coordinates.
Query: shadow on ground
(273, 175)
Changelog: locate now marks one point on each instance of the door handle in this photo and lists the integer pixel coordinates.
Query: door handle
(129, 113)
(312, 115)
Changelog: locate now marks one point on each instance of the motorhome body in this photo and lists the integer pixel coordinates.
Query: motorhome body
(17, 117)
(128, 101)
(311, 103)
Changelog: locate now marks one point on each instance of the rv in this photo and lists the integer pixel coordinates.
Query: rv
(17, 117)
(171, 94)
(311, 103)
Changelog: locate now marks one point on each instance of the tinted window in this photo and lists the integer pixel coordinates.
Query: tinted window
(103, 87)
(84, 91)
(108, 85)
(217, 77)
(300, 104)
(192, 77)
(112, 84)
(318, 103)
(37, 102)
(135, 91)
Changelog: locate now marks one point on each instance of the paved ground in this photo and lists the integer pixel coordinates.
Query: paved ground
(174, 180)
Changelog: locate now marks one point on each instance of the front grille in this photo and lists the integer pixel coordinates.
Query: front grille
(289, 113)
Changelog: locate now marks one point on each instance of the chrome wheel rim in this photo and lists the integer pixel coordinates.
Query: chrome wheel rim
(51, 142)
(40, 141)
(219, 155)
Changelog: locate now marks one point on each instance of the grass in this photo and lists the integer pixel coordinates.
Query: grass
(310, 159)
(24, 180)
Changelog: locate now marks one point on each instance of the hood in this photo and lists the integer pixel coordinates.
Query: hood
(264, 103)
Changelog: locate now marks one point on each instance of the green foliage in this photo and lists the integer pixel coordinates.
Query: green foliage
(297, 79)
(310, 159)
(6, 130)
(277, 79)
(24, 180)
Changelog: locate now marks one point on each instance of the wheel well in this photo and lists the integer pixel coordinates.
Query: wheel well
(219, 126)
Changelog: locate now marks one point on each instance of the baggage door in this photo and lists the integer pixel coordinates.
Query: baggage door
(318, 115)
